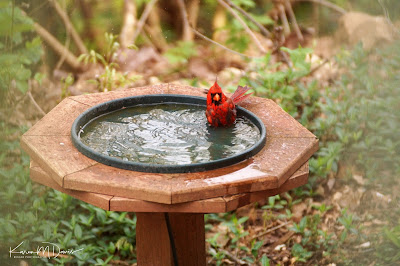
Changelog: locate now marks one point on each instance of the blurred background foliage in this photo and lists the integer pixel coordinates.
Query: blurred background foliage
(354, 113)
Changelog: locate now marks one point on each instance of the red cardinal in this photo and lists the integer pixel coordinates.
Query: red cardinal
(221, 110)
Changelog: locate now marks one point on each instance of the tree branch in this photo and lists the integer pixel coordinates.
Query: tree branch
(70, 58)
(37, 106)
(294, 21)
(186, 33)
(69, 27)
(128, 25)
(247, 29)
(218, 44)
(193, 12)
(143, 18)
(233, 257)
(327, 4)
(269, 230)
(263, 30)
(284, 20)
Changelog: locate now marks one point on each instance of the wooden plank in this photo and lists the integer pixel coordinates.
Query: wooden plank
(57, 122)
(186, 90)
(278, 123)
(97, 98)
(56, 155)
(213, 205)
(284, 156)
(109, 180)
(152, 241)
(269, 169)
(296, 180)
(38, 175)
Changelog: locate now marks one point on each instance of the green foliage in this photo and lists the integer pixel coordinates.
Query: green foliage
(65, 83)
(236, 39)
(389, 250)
(110, 78)
(264, 260)
(217, 254)
(18, 51)
(281, 83)
(300, 253)
(275, 202)
(347, 220)
(181, 53)
(244, 3)
(236, 227)
(360, 113)
(34, 214)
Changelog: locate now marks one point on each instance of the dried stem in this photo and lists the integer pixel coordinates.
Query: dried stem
(67, 43)
(294, 21)
(218, 44)
(247, 29)
(230, 256)
(327, 4)
(29, 94)
(283, 17)
(387, 17)
(69, 27)
(143, 18)
(263, 30)
(270, 230)
(70, 58)
(233, 257)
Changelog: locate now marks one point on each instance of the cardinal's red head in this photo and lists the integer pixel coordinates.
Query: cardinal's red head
(215, 95)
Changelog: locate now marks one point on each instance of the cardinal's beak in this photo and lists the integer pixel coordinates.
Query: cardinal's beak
(216, 97)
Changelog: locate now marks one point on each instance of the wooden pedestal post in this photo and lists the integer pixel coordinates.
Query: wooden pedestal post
(153, 244)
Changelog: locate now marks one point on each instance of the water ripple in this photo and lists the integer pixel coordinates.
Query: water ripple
(167, 134)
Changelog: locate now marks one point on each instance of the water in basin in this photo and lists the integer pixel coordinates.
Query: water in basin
(166, 134)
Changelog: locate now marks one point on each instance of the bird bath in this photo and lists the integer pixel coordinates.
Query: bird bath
(280, 165)
(164, 134)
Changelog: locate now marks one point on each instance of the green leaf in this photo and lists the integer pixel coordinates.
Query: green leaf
(264, 260)
(263, 19)
(392, 237)
(133, 47)
(78, 231)
(181, 53)
(22, 86)
(243, 219)
(244, 3)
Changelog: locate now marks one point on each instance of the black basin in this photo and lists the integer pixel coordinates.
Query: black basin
(103, 109)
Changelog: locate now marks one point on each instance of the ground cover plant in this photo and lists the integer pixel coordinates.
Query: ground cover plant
(347, 214)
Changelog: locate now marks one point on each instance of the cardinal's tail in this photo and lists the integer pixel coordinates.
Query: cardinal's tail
(239, 95)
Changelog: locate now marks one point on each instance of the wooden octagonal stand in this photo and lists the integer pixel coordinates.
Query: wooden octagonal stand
(179, 200)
